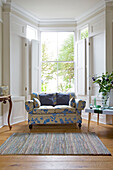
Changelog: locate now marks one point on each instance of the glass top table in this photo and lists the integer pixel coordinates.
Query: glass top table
(98, 111)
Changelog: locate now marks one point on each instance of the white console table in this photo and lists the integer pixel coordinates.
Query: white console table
(98, 111)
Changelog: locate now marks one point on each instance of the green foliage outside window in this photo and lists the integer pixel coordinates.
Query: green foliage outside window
(65, 69)
(84, 33)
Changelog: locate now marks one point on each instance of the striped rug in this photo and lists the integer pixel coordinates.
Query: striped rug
(54, 144)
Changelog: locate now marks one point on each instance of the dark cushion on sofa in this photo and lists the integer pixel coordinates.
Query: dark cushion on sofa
(46, 99)
(62, 99)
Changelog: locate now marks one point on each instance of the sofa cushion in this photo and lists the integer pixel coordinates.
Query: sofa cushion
(62, 99)
(47, 99)
(36, 103)
(72, 102)
(44, 110)
(64, 109)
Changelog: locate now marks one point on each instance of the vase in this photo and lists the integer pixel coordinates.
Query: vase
(105, 100)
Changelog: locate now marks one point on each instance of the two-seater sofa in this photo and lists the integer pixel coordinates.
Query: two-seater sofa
(54, 108)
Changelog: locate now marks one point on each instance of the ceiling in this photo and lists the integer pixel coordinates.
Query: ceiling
(57, 9)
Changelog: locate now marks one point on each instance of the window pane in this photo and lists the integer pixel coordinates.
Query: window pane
(49, 46)
(84, 33)
(65, 77)
(49, 77)
(66, 46)
(31, 33)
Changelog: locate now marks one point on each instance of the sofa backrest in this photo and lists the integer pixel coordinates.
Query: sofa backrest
(53, 98)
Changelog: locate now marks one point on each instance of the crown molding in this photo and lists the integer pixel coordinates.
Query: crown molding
(11, 6)
(59, 21)
(92, 11)
(24, 13)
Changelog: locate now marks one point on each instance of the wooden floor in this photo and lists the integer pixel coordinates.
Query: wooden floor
(104, 132)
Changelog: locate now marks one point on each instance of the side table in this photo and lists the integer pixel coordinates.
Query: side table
(93, 111)
(4, 99)
(98, 111)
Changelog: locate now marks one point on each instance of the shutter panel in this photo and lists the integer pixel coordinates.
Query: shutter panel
(89, 81)
(80, 67)
(34, 66)
(25, 66)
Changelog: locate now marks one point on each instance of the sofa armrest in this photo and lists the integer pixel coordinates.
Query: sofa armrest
(80, 104)
(29, 106)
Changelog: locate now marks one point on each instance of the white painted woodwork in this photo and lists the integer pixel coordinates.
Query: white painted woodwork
(59, 9)
(80, 67)
(25, 55)
(6, 49)
(34, 66)
(1, 55)
(15, 21)
(109, 37)
(15, 65)
(1, 121)
(98, 58)
(88, 69)
(18, 113)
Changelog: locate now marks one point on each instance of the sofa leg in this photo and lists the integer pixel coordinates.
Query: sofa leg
(79, 125)
(30, 126)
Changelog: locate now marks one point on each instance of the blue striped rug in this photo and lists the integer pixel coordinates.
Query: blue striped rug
(54, 144)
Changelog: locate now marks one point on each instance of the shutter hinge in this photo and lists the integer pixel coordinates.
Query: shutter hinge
(25, 44)
(89, 43)
(89, 88)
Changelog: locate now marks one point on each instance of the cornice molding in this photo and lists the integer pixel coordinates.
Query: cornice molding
(24, 13)
(11, 6)
(57, 20)
(63, 21)
(91, 12)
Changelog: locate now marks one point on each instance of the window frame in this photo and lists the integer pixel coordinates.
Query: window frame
(64, 30)
(35, 31)
(82, 28)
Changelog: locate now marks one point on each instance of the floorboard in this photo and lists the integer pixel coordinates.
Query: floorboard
(17, 162)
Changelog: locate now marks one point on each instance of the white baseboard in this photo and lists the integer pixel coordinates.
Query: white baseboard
(18, 120)
(18, 111)
(1, 121)
(102, 118)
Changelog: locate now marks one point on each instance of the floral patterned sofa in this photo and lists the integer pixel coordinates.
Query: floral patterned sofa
(54, 108)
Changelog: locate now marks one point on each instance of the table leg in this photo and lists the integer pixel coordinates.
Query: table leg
(98, 119)
(10, 108)
(89, 120)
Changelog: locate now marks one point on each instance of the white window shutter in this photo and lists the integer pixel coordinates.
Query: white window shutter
(34, 66)
(80, 67)
(25, 53)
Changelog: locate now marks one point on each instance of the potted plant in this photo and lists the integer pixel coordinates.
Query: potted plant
(105, 82)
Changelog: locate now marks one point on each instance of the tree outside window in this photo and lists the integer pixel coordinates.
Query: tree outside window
(84, 33)
(57, 62)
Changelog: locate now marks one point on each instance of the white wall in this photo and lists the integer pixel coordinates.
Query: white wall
(0, 60)
(96, 55)
(14, 31)
(14, 66)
